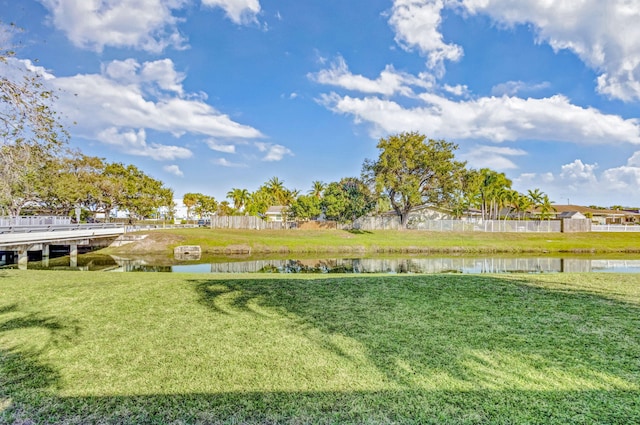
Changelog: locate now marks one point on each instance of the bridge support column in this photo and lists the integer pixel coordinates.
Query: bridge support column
(45, 255)
(73, 255)
(23, 257)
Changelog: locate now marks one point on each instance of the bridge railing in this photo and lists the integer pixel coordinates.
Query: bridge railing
(56, 227)
(35, 220)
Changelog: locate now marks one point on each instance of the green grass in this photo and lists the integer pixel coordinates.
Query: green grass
(184, 348)
(223, 241)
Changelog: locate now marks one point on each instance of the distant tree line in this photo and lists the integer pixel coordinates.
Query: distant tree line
(410, 171)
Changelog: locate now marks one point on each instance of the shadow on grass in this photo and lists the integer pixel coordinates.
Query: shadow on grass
(459, 349)
(464, 332)
(359, 232)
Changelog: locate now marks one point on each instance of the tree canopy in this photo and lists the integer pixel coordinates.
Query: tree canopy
(347, 200)
(412, 170)
(30, 133)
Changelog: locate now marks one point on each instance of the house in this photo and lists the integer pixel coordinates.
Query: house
(429, 212)
(597, 215)
(276, 213)
(574, 215)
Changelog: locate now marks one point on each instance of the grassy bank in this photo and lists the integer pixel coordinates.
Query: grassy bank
(339, 241)
(179, 348)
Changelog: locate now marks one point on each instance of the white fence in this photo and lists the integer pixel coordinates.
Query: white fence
(393, 223)
(35, 220)
(614, 228)
(490, 226)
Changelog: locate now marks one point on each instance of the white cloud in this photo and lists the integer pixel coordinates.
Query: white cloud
(634, 161)
(457, 90)
(624, 180)
(579, 172)
(218, 147)
(388, 83)
(127, 99)
(490, 118)
(135, 143)
(173, 169)
(140, 24)
(494, 157)
(512, 88)
(273, 152)
(604, 34)
(120, 97)
(577, 176)
(239, 11)
(226, 163)
(582, 183)
(148, 25)
(153, 77)
(416, 24)
(38, 70)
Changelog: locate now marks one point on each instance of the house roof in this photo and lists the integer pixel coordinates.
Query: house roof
(571, 214)
(559, 209)
(276, 209)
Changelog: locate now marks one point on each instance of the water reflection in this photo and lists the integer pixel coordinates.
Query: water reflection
(463, 265)
(460, 264)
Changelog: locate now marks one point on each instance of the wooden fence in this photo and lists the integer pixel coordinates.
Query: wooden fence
(248, 222)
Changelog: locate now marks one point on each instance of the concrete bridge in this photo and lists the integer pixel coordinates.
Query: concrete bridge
(22, 239)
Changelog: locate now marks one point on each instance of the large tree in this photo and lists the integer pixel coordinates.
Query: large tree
(141, 195)
(74, 182)
(30, 131)
(190, 200)
(412, 171)
(205, 206)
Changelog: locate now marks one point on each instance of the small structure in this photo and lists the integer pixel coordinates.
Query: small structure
(276, 213)
(187, 252)
(573, 215)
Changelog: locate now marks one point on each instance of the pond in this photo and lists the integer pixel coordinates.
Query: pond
(413, 264)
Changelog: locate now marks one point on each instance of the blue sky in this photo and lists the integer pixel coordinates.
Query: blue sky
(210, 95)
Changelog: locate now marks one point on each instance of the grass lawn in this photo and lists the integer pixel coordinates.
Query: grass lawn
(155, 348)
(224, 241)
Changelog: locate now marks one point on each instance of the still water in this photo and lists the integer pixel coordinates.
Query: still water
(416, 265)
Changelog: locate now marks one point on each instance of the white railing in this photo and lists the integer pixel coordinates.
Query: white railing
(35, 220)
(614, 228)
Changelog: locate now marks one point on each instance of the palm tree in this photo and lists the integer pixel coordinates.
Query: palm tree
(190, 200)
(290, 196)
(317, 187)
(492, 188)
(275, 188)
(546, 207)
(510, 200)
(224, 208)
(239, 197)
(522, 204)
(536, 196)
